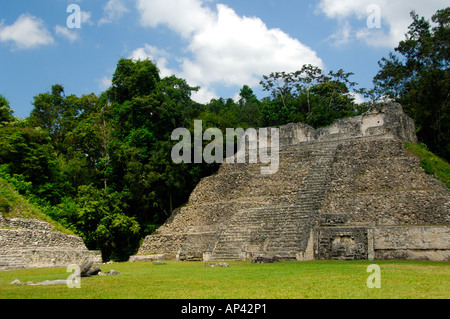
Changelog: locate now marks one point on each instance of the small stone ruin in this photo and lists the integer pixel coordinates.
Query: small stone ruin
(26, 243)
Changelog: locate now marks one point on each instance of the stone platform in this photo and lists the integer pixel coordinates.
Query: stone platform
(28, 243)
(349, 191)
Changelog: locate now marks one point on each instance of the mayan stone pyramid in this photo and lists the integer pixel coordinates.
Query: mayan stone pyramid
(348, 191)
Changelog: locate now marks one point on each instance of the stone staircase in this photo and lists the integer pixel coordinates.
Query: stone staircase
(313, 191)
(281, 231)
(12, 262)
(261, 232)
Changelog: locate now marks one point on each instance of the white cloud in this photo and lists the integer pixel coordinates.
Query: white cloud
(394, 15)
(86, 17)
(72, 36)
(183, 16)
(359, 99)
(343, 34)
(27, 32)
(105, 83)
(204, 95)
(114, 10)
(223, 47)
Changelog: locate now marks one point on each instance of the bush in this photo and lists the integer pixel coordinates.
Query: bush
(5, 207)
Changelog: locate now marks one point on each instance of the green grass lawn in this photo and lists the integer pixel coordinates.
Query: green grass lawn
(242, 280)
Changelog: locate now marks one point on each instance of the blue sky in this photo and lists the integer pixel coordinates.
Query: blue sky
(218, 45)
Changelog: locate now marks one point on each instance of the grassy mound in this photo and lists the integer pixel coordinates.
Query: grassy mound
(432, 164)
(14, 205)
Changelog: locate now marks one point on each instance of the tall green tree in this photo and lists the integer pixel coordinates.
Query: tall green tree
(417, 75)
(55, 113)
(249, 110)
(103, 225)
(28, 152)
(133, 79)
(143, 115)
(308, 96)
(88, 143)
(6, 114)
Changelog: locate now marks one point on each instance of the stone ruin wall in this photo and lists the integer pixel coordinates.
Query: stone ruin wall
(376, 202)
(28, 243)
(381, 205)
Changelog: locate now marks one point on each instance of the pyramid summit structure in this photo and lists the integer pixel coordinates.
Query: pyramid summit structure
(350, 191)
